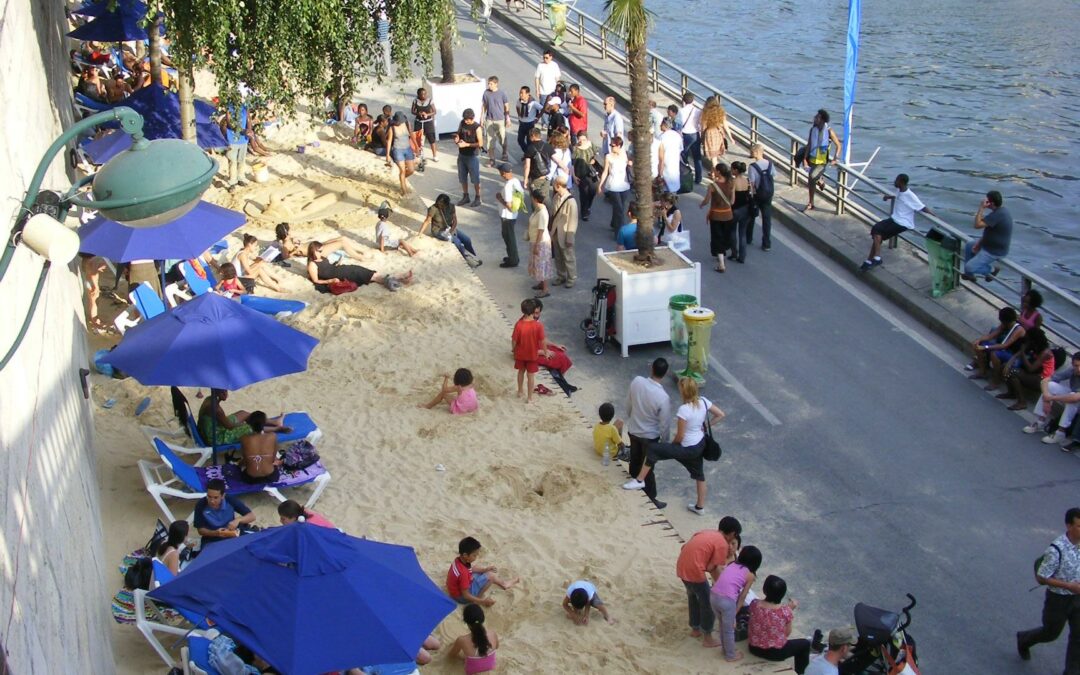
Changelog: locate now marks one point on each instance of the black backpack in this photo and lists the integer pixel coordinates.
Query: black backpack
(765, 185)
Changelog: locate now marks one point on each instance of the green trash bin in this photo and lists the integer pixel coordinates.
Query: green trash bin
(678, 304)
(943, 250)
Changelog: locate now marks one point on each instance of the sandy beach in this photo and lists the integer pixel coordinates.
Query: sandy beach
(521, 478)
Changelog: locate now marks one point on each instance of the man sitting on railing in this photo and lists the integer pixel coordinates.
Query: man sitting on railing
(997, 226)
(905, 204)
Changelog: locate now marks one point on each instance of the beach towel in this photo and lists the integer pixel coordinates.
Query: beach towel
(235, 484)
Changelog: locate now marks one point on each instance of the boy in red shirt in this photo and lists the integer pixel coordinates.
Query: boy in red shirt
(529, 344)
(465, 586)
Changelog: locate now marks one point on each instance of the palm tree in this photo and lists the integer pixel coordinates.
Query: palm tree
(630, 19)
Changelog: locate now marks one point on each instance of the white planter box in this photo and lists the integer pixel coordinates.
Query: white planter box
(641, 297)
(451, 100)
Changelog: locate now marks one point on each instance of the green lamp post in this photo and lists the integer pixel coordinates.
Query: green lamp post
(151, 183)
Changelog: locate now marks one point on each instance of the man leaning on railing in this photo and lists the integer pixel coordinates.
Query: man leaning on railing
(997, 227)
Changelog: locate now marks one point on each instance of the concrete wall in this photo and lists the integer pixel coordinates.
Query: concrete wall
(54, 600)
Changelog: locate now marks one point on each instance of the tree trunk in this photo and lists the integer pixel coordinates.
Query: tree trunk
(643, 159)
(155, 48)
(446, 54)
(186, 87)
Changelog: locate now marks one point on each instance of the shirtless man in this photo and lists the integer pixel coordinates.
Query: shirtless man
(258, 449)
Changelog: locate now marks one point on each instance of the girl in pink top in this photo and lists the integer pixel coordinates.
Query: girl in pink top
(478, 646)
(230, 284)
(290, 512)
(728, 595)
(770, 626)
(460, 395)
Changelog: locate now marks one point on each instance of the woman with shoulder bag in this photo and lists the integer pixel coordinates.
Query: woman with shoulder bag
(719, 197)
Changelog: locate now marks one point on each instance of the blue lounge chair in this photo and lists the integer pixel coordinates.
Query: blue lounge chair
(175, 478)
(149, 627)
(146, 301)
(197, 657)
(272, 306)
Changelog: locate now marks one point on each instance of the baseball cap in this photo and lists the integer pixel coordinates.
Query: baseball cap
(505, 167)
(838, 637)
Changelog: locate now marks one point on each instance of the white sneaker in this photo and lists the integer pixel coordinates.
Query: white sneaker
(1057, 437)
(1034, 428)
(634, 484)
(694, 508)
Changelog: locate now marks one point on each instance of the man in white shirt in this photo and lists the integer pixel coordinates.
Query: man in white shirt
(841, 640)
(690, 116)
(614, 125)
(547, 75)
(508, 216)
(905, 204)
(648, 419)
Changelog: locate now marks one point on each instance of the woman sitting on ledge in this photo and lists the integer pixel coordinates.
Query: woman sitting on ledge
(323, 273)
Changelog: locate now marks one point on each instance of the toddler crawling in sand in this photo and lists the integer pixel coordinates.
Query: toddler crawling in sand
(581, 597)
(461, 396)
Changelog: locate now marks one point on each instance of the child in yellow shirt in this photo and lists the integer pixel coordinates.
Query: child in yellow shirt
(608, 432)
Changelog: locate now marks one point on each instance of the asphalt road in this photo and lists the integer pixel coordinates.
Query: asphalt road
(858, 456)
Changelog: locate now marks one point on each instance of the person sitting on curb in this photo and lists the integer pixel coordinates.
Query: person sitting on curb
(905, 204)
(1063, 387)
(996, 347)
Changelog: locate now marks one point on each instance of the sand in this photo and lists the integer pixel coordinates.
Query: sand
(521, 478)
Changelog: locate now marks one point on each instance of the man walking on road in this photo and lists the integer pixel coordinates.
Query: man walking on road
(578, 107)
(495, 114)
(547, 76)
(564, 223)
(614, 125)
(905, 204)
(647, 420)
(689, 116)
(538, 164)
(528, 110)
(1060, 573)
(507, 215)
(997, 226)
(816, 154)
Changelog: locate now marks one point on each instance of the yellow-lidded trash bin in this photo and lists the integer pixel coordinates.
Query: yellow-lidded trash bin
(699, 323)
(677, 304)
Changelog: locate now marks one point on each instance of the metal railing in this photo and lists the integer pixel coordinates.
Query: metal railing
(749, 126)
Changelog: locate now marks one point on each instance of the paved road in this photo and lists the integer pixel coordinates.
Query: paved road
(857, 455)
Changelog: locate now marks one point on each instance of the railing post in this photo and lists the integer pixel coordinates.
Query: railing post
(603, 42)
(655, 74)
(841, 192)
(792, 169)
(753, 129)
(684, 83)
(543, 9)
(581, 29)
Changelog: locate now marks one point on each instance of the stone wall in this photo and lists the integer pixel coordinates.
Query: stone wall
(54, 602)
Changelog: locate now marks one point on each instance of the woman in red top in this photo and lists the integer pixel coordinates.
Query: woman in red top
(1032, 364)
(770, 626)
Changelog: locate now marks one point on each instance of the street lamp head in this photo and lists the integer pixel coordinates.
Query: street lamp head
(152, 183)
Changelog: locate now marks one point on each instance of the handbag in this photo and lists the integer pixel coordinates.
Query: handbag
(343, 286)
(712, 450)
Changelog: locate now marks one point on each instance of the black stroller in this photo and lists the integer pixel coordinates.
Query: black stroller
(599, 327)
(884, 646)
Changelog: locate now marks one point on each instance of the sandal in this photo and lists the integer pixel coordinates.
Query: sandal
(543, 391)
(1018, 406)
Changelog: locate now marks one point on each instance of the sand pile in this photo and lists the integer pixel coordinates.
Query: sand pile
(521, 478)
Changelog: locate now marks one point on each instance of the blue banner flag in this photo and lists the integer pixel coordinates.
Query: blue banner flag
(850, 69)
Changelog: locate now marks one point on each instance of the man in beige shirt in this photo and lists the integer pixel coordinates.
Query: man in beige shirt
(564, 222)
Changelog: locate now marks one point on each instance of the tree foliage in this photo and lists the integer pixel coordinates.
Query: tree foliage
(288, 51)
(630, 19)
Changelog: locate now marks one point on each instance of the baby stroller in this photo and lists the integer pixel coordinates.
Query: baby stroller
(884, 646)
(599, 327)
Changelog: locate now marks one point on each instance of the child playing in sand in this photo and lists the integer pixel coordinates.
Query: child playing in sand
(383, 238)
(608, 433)
(460, 395)
(581, 597)
(529, 345)
(466, 583)
(230, 283)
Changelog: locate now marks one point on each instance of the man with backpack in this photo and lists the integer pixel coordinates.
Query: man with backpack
(762, 175)
(1059, 570)
(538, 165)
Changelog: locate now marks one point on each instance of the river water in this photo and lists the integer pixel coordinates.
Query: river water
(963, 96)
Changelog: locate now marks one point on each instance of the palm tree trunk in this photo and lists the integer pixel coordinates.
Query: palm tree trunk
(446, 54)
(643, 160)
(155, 48)
(186, 88)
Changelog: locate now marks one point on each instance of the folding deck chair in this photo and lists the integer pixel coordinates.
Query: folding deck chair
(175, 478)
(149, 627)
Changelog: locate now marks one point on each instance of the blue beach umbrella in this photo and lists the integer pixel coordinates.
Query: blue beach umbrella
(310, 599)
(186, 237)
(211, 341)
(133, 7)
(119, 26)
(161, 119)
